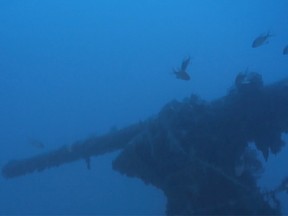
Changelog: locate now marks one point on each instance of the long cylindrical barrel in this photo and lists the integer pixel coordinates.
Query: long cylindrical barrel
(66, 154)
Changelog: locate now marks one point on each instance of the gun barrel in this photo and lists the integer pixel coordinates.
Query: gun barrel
(80, 150)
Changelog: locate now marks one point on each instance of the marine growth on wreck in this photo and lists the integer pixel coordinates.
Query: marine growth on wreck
(196, 152)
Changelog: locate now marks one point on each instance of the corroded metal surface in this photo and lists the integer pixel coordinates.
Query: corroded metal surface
(197, 152)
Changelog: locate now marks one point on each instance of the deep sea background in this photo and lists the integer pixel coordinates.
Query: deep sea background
(72, 69)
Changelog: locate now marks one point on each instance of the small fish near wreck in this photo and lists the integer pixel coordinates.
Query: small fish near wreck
(182, 72)
(285, 50)
(35, 143)
(261, 40)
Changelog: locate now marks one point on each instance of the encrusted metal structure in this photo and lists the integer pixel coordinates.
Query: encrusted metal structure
(196, 152)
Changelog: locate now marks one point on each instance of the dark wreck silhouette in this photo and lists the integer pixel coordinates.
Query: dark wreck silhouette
(196, 152)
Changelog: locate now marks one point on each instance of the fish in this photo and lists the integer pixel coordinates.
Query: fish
(88, 162)
(248, 80)
(285, 50)
(261, 40)
(36, 143)
(182, 72)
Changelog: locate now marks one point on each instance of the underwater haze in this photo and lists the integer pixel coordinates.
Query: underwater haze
(72, 69)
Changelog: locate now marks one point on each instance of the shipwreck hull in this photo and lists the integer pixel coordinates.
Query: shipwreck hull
(195, 151)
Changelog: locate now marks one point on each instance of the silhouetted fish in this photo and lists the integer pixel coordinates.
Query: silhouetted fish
(36, 143)
(285, 50)
(182, 73)
(261, 40)
(88, 162)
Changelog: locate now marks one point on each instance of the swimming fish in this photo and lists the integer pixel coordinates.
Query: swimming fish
(88, 162)
(182, 73)
(261, 40)
(36, 143)
(285, 50)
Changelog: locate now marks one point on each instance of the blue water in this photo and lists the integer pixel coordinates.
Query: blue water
(72, 69)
